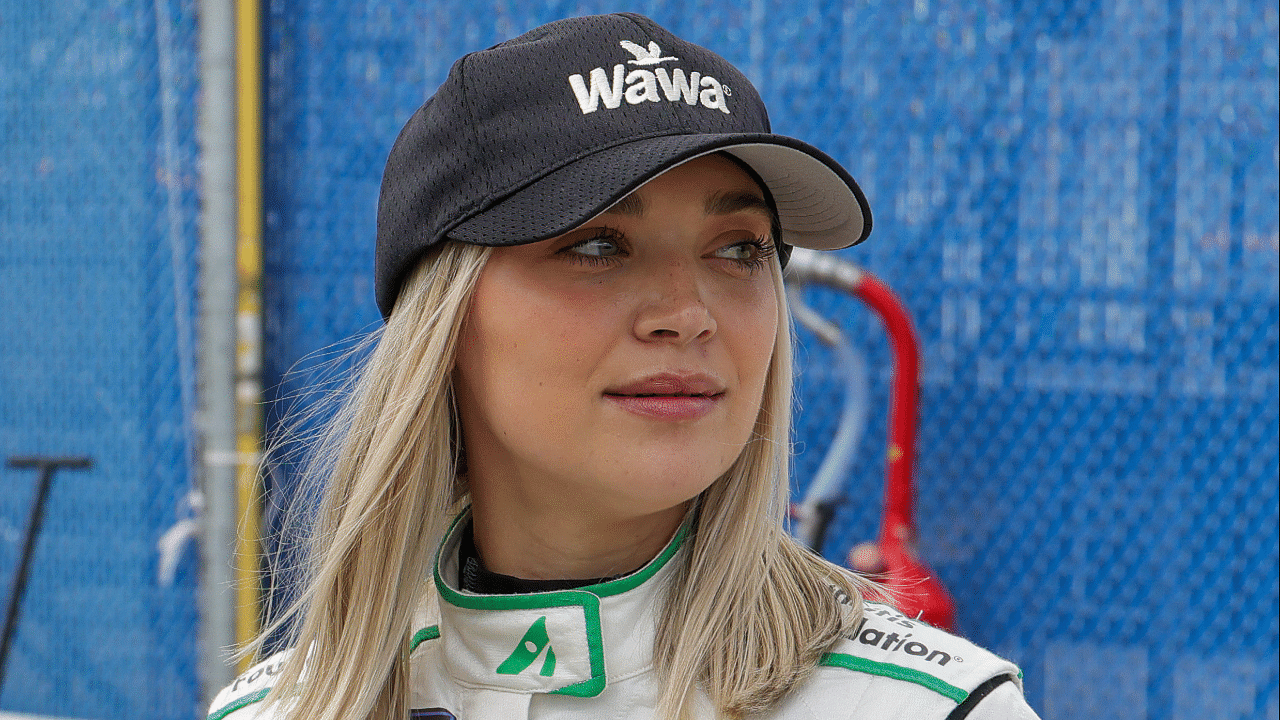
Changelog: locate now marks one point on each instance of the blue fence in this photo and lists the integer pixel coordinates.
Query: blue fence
(97, 292)
(1077, 200)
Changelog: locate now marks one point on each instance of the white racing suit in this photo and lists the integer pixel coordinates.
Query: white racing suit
(587, 653)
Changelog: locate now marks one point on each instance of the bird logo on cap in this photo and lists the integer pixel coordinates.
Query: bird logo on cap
(650, 56)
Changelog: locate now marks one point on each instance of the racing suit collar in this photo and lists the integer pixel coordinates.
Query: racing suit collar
(569, 642)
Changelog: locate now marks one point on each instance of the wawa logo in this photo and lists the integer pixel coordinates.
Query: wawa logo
(642, 85)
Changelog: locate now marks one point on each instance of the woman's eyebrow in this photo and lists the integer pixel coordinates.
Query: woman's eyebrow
(722, 203)
(632, 205)
(732, 201)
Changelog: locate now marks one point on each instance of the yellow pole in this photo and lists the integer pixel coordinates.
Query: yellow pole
(249, 317)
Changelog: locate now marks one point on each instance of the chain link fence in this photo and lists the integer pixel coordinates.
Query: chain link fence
(97, 289)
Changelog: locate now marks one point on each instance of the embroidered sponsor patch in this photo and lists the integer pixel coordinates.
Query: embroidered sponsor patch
(528, 650)
(643, 85)
(896, 639)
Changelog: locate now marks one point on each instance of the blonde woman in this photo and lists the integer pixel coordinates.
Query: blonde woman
(557, 489)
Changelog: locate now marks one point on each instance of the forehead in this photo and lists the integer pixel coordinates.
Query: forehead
(718, 183)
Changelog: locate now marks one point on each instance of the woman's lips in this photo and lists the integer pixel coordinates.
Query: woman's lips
(667, 407)
(668, 396)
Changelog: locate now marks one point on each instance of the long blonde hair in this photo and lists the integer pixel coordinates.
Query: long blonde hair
(749, 614)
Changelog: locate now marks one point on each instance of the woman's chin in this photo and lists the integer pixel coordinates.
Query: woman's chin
(665, 485)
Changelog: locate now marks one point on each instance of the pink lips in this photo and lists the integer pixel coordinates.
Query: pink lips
(668, 396)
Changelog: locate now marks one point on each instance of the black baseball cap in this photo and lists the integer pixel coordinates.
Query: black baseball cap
(532, 137)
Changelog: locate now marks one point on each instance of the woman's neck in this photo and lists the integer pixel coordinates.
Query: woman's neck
(567, 545)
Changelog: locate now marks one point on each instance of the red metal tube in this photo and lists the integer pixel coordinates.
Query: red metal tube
(899, 505)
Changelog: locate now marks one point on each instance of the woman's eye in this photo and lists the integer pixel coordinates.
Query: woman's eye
(741, 251)
(605, 247)
(596, 247)
(749, 253)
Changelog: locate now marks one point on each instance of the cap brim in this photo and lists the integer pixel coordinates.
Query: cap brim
(819, 205)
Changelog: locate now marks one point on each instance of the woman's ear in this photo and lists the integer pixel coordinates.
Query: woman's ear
(457, 443)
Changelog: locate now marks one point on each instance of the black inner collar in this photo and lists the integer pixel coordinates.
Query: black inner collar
(476, 578)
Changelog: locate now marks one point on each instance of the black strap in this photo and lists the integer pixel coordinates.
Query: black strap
(962, 711)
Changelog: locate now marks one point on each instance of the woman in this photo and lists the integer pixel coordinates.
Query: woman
(558, 488)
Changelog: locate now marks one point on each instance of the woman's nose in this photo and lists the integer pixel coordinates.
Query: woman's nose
(675, 311)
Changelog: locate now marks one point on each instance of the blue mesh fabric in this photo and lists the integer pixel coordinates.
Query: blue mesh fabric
(97, 291)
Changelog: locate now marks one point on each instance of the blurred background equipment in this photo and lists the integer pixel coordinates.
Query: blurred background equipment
(911, 585)
(1075, 200)
(45, 468)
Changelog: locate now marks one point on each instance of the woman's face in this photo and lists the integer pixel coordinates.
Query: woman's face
(619, 368)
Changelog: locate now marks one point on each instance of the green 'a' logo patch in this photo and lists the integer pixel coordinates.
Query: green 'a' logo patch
(535, 640)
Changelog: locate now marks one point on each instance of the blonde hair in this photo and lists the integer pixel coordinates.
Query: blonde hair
(750, 612)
